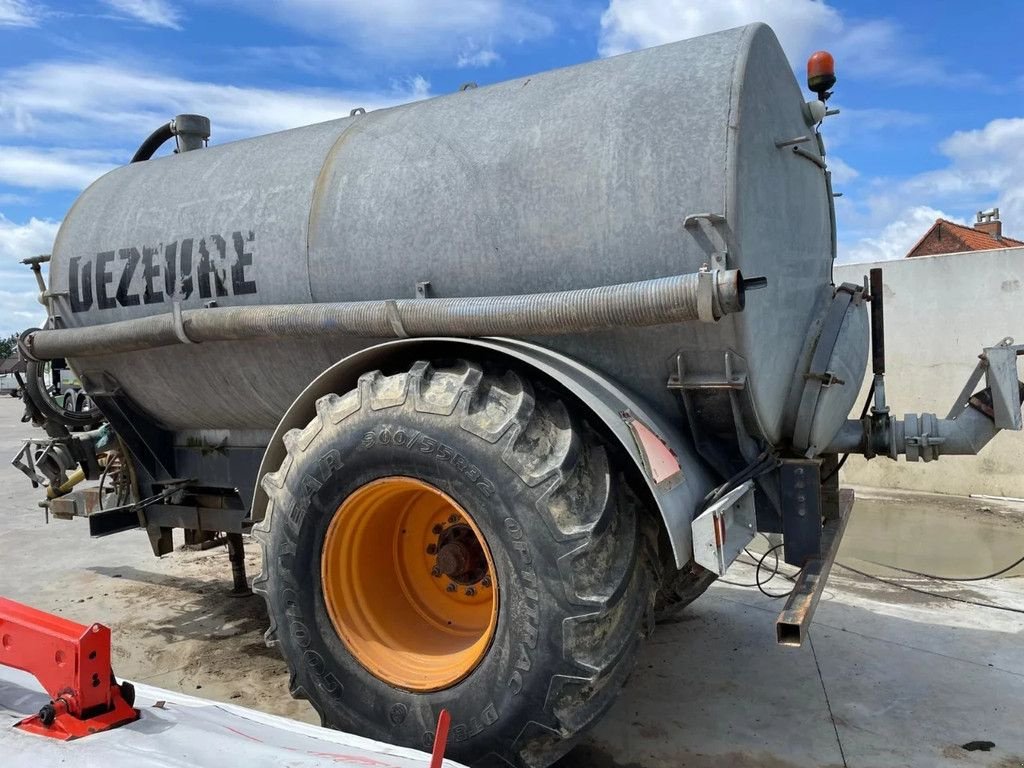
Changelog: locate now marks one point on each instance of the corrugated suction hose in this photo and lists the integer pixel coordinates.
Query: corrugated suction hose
(705, 296)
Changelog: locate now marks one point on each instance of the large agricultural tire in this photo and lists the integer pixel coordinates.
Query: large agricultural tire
(363, 514)
(680, 589)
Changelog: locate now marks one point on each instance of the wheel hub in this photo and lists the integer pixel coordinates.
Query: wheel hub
(460, 555)
(407, 581)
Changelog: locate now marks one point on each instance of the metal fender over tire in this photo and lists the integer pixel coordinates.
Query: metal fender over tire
(454, 538)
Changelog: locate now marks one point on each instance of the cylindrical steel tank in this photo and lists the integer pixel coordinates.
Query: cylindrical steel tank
(574, 178)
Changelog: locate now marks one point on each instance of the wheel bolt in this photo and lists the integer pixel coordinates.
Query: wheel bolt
(451, 586)
(470, 591)
(438, 528)
(453, 518)
(486, 581)
(431, 549)
(435, 571)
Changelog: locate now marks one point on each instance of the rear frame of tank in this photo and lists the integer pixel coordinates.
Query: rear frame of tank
(596, 174)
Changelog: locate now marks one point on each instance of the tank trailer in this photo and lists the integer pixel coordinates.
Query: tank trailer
(494, 378)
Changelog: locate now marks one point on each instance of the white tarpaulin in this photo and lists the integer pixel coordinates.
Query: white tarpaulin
(188, 731)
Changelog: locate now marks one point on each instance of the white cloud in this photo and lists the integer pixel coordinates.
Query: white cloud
(983, 168)
(19, 308)
(51, 168)
(986, 167)
(19, 241)
(874, 48)
(895, 238)
(853, 124)
(157, 13)
(17, 13)
(114, 107)
(409, 28)
(630, 24)
(477, 56)
(51, 95)
(841, 171)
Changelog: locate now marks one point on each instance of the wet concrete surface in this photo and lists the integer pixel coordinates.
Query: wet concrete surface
(891, 677)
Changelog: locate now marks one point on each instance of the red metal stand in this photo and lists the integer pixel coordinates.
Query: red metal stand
(72, 662)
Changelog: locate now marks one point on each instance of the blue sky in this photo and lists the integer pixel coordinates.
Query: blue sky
(931, 93)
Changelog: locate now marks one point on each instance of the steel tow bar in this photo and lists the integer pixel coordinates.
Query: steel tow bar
(795, 618)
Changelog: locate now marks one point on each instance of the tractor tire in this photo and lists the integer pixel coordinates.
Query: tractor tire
(680, 589)
(479, 489)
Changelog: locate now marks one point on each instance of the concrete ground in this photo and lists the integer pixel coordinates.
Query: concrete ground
(891, 678)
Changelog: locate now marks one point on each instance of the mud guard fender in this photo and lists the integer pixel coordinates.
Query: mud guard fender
(662, 453)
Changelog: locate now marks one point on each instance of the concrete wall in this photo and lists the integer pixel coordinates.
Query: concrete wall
(939, 313)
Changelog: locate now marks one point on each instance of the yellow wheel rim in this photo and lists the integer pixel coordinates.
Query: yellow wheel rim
(409, 584)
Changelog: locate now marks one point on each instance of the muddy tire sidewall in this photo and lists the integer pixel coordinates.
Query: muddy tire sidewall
(495, 698)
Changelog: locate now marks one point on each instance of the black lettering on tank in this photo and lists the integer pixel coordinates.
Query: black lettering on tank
(103, 278)
(131, 258)
(185, 268)
(210, 265)
(219, 265)
(79, 284)
(203, 270)
(174, 276)
(170, 269)
(243, 258)
(150, 272)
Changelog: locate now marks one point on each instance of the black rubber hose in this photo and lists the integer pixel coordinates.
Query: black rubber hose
(153, 142)
(35, 387)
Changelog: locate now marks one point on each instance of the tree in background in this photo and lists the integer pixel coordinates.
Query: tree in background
(9, 346)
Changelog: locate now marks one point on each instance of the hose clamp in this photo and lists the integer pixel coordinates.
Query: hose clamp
(707, 283)
(395, 318)
(179, 324)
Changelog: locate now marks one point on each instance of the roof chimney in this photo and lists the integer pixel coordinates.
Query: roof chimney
(989, 223)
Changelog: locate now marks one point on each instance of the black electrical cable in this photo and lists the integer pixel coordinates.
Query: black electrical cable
(909, 588)
(758, 582)
(765, 462)
(863, 413)
(757, 574)
(1000, 572)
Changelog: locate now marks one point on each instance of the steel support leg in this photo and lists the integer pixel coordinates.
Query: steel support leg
(236, 554)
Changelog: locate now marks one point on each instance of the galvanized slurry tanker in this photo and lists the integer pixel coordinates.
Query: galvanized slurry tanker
(485, 375)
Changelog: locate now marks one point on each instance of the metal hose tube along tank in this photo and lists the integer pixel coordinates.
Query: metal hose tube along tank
(705, 296)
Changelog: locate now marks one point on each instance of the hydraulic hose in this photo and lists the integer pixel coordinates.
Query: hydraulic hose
(705, 296)
(153, 142)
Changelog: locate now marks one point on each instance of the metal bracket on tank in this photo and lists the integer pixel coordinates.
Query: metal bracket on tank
(718, 222)
(735, 377)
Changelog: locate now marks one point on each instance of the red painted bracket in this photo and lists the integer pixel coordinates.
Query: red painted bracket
(72, 663)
